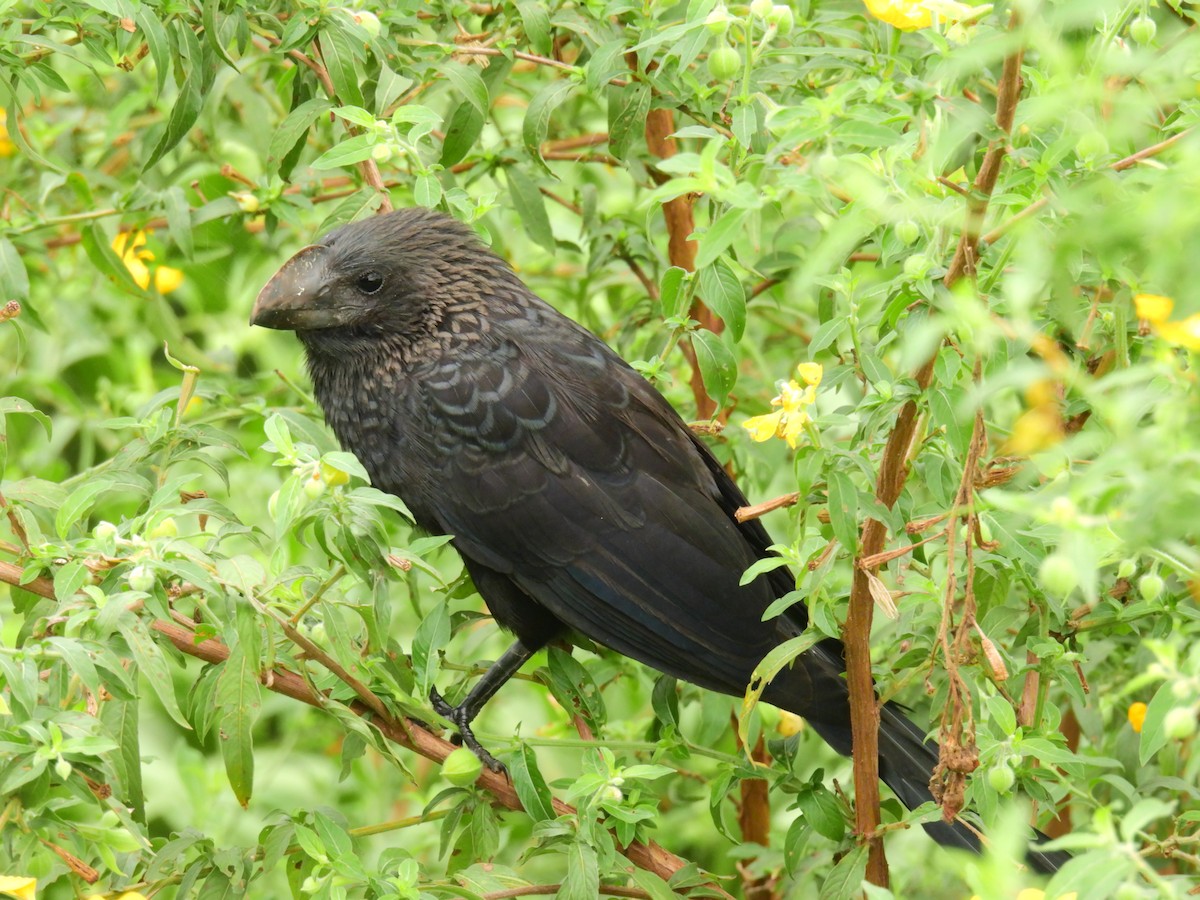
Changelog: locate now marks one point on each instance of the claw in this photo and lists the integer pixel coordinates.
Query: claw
(461, 718)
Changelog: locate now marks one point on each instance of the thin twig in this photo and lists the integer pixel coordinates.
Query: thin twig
(758, 510)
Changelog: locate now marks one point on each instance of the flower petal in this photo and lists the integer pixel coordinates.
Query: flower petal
(20, 886)
(811, 372)
(763, 428)
(139, 271)
(1153, 308)
(791, 397)
(167, 279)
(1185, 333)
(906, 15)
(1137, 715)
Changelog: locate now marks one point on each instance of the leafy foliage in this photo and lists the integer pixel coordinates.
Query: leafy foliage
(197, 554)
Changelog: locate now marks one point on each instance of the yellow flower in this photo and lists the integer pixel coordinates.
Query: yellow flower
(789, 723)
(1137, 716)
(129, 246)
(810, 372)
(19, 886)
(793, 401)
(1156, 309)
(1153, 307)
(1040, 426)
(908, 15)
(7, 147)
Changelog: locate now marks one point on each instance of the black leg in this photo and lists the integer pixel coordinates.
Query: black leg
(493, 679)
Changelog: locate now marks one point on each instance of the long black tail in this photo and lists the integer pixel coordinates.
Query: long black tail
(906, 763)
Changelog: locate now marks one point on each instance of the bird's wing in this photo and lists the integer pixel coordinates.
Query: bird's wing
(561, 468)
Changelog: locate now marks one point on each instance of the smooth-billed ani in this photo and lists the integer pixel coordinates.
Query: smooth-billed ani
(575, 494)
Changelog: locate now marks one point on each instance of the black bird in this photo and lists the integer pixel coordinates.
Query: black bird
(577, 497)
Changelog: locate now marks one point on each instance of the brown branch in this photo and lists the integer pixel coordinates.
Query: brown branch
(893, 471)
(574, 143)
(757, 510)
(965, 255)
(649, 856)
(1153, 150)
(681, 250)
(754, 820)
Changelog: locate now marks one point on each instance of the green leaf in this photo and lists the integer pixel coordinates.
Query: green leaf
(183, 116)
(843, 509)
(582, 879)
(628, 108)
(606, 62)
(14, 125)
(238, 697)
(537, 117)
(826, 334)
(333, 836)
(346, 153)
(14, 280)
(120, 718)
(671, 296)
(294, 127)
(537, 25)
(427, 190)
(1095, 874)
(718, 368)
(531, 207)
(529, 784)
(389, 88)
(468, 82)
(179, 220)
(99, 250)
(722, 291)
(845, 881)
(76, 656)
(745, 123)
(212, 32)
(356, 115)
(337, 49)
(719, 236)
(69, 578)
(822, 811)
(1001, 712)
(772, 664)
(574, 688)
(77, 504)
(1153, 737)
(431, 636)
(158, 43)
(153, 665)
(466, 124)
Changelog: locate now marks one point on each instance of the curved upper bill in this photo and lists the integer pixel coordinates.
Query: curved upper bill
(300, 296)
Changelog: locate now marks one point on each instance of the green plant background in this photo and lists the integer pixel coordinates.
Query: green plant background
(831, 177)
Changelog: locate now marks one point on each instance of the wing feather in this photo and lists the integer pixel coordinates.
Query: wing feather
(574, 478)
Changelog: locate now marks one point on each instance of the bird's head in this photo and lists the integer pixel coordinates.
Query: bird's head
(385, 274)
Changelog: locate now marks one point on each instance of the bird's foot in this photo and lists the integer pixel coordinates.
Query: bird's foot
(461, 718)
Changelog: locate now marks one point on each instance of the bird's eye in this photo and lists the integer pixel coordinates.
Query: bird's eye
(370, 282)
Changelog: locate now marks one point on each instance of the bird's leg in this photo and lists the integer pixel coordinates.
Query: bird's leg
(493, 679)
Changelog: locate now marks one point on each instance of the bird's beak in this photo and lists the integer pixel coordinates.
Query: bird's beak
(298, 296)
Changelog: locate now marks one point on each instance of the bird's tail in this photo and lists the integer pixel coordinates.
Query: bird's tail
(906, 763)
